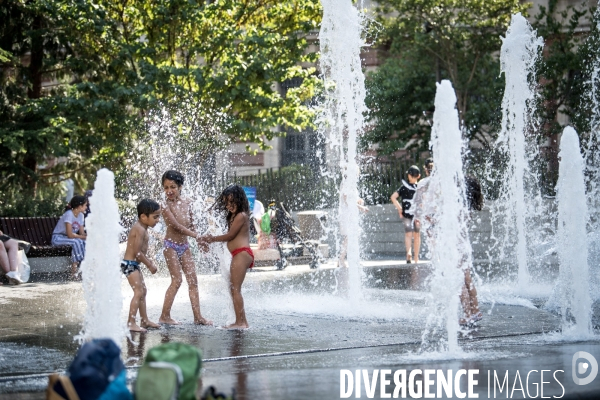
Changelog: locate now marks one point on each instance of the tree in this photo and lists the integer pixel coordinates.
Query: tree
(430, 40)
(563, 70)
(112, 62)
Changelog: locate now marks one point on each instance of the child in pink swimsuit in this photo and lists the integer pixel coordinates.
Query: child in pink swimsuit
(234, 201)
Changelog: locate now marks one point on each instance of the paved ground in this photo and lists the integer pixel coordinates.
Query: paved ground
(303, 332)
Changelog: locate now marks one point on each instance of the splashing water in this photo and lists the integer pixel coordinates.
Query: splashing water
(450, 244)
(183, 141)
(341, 41)
(100, 268)
(191, 144)
(519, 196)
(572, 291)
(592, 163)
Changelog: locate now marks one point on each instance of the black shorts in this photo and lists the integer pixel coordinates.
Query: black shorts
(128, 267)
(410, 225)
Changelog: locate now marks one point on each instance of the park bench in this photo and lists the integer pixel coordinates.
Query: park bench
(43, 257)
(38, 232)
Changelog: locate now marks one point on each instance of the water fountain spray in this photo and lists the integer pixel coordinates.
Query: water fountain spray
(520, 49)
(448, 220)
(100, 268)
(592, 158)
(341, 41)
(190, 143)
(572, 291)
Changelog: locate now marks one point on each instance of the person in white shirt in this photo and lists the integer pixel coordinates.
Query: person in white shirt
(70, 231)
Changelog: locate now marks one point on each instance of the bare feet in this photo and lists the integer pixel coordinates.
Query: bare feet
(168, 321)
(203, 321)
(133, 327)
(237, 326)
(150, 324)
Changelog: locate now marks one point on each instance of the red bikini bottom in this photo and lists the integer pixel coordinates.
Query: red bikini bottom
(247, 250)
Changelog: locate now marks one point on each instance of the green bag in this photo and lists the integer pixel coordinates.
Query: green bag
(158, 380)
(265, 223)
(189, 360)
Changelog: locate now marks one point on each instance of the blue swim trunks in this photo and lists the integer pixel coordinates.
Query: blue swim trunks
(128, 267)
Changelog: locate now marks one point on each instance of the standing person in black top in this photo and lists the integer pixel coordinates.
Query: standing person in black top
(412, 229)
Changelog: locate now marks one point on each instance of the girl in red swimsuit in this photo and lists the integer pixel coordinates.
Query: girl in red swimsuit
(234, 201)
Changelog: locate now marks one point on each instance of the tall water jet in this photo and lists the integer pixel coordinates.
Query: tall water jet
(572, 289)
(341, 41)
(518, 182)
(100, 268)
(450, 245)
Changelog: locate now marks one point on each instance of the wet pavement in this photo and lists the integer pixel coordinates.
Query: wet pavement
(303, 332)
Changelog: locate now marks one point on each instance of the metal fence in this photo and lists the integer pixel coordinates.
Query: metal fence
(301, 188)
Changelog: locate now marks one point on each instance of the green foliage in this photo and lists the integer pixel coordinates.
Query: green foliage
(26, 206)
(378, 182)
(79, 78)
(400, 96)
(431, 40)
(565, 68)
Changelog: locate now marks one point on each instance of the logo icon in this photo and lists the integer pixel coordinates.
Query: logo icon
(581, 367)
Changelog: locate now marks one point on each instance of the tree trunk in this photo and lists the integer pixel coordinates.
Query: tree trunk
(36, 60)
(34, 92)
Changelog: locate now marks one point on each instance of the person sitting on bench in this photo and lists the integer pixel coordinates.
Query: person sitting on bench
(69, 231)
(9, 262)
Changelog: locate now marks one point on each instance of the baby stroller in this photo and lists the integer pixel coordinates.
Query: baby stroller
(285, 229)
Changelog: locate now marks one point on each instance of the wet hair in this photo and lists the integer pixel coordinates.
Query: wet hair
(147, 207)
(238, 197)
(428, 164)
(474, 194)
(174, 176)
(75, 202)
(413, 171)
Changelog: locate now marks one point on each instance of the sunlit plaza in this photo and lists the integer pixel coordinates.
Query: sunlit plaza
(299, 199)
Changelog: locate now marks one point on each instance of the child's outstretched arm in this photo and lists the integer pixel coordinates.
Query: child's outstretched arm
(236, 226)
(172, 222)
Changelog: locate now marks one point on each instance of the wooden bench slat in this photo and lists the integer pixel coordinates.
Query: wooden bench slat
(31, 228)
(29, 225)
(21, 224)
(15, 228)
(38, 232)
(45, 223)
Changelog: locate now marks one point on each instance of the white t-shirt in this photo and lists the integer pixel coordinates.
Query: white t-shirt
(69, 217)
(259, 210)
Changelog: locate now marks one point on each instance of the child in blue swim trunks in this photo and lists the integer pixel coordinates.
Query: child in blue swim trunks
(137, 245)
